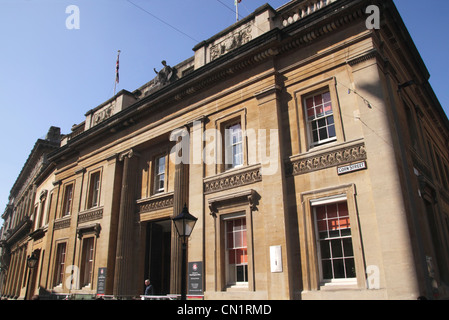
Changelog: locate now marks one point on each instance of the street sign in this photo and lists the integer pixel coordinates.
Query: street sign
(351, 168)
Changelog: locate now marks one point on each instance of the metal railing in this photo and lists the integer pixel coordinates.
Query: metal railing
(167, 297)
(80, 296)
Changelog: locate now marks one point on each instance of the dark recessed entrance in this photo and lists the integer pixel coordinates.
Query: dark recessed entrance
(158, 253)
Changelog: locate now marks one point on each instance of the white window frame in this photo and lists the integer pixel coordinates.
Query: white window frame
(159, 175)
(88, 255)
(94, 190)
(68, 200)
(322, 202)
(232, 282)
(60, 264)
(316, 119)
(231, 145)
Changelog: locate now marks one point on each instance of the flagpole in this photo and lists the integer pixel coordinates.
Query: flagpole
(236, 10)
(117, 79)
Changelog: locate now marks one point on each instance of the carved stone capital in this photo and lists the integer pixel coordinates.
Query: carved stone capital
(80, 171)
(43, 195)
(213, 209)
(127, 154)
(57, 183)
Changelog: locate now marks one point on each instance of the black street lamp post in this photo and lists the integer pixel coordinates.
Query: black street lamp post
(184, 224)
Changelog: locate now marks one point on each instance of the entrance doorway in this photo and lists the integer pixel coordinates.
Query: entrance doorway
(158, 253)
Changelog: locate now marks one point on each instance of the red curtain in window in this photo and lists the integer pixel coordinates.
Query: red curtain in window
(236, 241)
(319, 105)
(333, 217)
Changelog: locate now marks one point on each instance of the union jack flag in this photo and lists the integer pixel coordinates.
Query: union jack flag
(117, 78)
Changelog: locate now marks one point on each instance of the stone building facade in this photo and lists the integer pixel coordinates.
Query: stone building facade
(25, 213)
(310, 147)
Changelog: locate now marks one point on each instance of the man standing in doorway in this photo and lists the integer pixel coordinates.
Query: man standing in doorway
(148, 288)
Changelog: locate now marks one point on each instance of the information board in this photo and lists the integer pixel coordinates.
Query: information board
(195, 287)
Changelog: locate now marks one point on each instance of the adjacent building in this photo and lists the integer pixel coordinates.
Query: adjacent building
(26, 216)
(307, 142)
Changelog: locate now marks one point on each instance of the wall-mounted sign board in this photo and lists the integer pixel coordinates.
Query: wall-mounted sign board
(351, 168)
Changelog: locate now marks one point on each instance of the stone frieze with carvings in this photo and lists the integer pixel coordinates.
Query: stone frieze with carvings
(237, 179)
(90, 215)
(149, 205)
(327, 160)
(230, 42)
(62, 223)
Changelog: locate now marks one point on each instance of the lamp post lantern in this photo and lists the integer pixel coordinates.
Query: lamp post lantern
(31, 264)
(32, 261)
(184, 224)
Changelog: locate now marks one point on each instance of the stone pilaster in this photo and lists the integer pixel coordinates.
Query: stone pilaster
(123, 279)
(274, 186)
(180, 197)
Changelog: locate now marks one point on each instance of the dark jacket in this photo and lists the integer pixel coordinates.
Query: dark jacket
(149, 290)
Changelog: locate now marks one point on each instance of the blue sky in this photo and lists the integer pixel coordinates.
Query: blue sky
(51, 75)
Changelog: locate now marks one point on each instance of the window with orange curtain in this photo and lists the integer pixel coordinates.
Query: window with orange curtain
(236, 251)
(334, 239)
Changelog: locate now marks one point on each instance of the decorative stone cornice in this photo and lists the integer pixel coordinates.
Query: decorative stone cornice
(38, 234)
(12, 235)
(302, 10)
(332, 23)
(327, 160)
(90, 215)
(372, 54)
(156, 203)
(232, 180)
(62, 223)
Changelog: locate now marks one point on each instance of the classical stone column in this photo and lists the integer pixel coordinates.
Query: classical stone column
(123, 275)
(180, 197)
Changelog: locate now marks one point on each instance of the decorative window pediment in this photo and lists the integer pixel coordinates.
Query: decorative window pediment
(249, 197)
(89, 229)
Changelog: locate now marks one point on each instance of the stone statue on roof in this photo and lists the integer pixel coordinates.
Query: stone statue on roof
(166, 75)
(163, 77)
